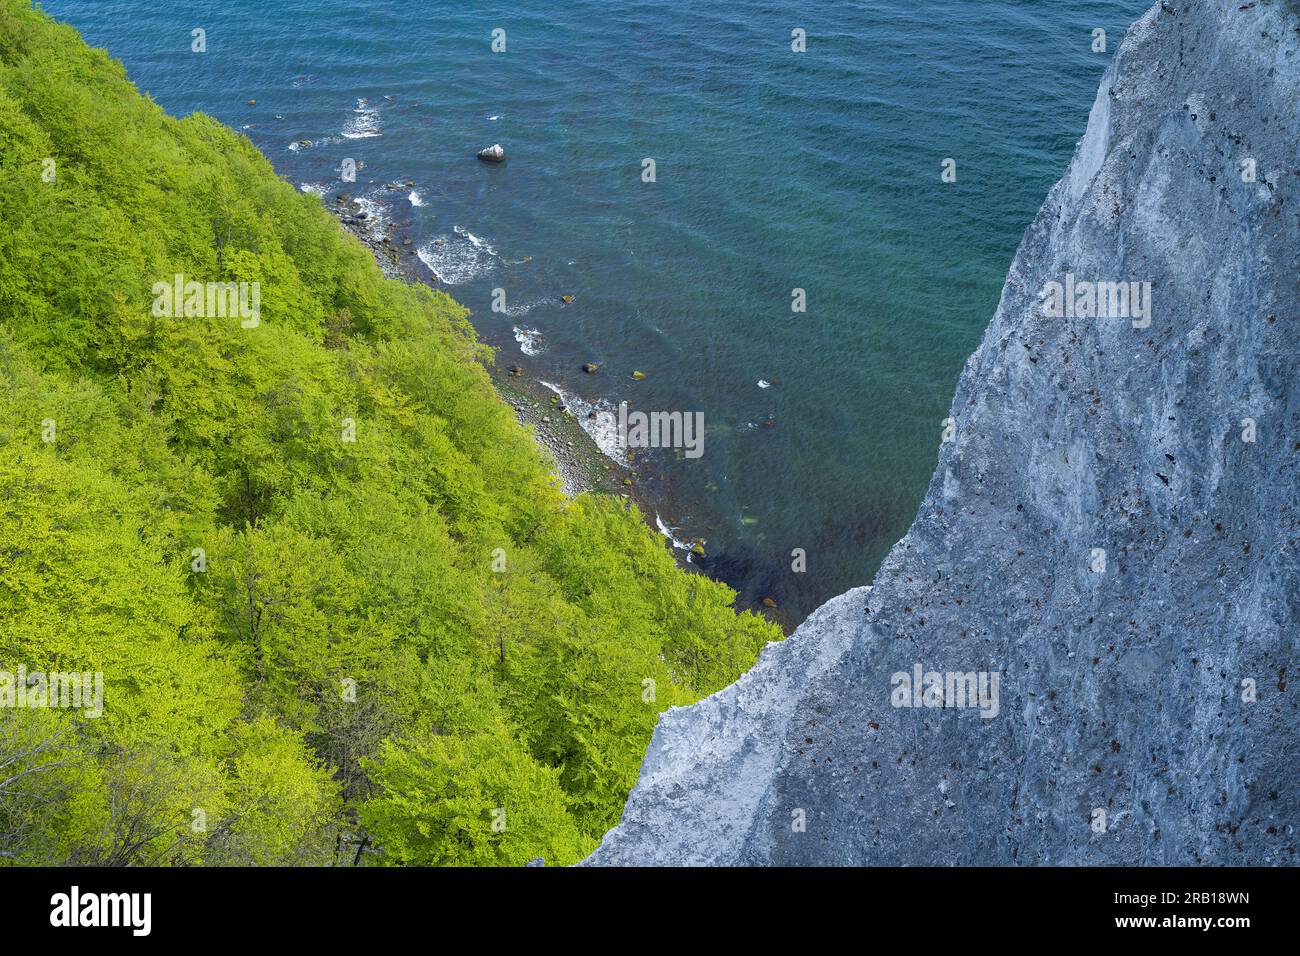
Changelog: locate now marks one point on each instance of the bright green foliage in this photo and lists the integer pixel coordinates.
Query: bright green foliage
(471, 800)
(341, 609)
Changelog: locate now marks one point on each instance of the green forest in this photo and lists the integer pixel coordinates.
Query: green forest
(342, 612)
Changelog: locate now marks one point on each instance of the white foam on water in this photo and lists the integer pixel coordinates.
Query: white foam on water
(415, 198)
(313, 189)
(603, 428)
(671, 535)
(365, 124)
(530, 340)
(377, 217)
(764, 383)
(522, 309)
(461, 257)
(301, 144)
(474, 240)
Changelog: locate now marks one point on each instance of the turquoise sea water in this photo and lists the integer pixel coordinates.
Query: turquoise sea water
(775, 170)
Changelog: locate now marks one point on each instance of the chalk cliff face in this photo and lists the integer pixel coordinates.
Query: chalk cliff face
(1113, 529)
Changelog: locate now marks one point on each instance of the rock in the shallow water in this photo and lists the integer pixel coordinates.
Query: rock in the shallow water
(591, 368)
(1142, 713)
(492, 154)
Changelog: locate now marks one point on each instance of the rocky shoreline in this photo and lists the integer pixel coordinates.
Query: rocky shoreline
(578, 461)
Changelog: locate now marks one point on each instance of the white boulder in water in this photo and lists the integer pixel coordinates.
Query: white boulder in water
(492, 154)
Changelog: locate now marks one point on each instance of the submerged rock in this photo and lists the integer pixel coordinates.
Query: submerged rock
(1069, 659)
(492, 154)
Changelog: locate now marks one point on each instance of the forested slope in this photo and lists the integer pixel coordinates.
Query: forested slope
(341, 610)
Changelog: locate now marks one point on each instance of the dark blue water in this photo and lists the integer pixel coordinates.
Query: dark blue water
(775, 170)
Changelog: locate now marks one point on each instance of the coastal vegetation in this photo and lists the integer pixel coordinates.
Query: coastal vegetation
(341, 611)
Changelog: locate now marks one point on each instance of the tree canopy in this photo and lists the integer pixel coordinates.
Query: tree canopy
(341, 610)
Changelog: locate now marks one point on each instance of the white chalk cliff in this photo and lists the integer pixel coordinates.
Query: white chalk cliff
(1114, 530)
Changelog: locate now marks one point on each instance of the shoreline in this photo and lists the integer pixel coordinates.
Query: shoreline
(577, 461)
